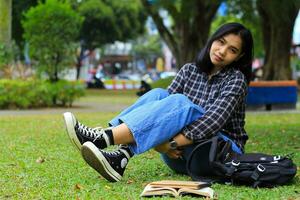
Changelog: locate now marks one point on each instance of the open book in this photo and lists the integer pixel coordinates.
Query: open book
(178, 188)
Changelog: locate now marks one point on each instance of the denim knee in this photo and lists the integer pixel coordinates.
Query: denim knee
(179, 97)
(160, 91)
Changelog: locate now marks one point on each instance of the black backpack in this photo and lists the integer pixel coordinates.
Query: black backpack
(221, 164)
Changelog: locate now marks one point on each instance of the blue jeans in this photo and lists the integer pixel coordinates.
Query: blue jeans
(157, 117)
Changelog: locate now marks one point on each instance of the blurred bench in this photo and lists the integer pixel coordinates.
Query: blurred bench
(272, 95)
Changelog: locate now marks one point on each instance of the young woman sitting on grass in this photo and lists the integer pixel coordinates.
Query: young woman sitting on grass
(206, 98)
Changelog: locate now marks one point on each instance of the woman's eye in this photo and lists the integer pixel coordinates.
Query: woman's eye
(233, 51)
(221, 41)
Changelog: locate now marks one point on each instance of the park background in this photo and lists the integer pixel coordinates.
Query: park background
(89, 57)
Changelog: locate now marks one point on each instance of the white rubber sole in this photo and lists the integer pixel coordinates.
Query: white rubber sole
(93, 156)
(70, 122)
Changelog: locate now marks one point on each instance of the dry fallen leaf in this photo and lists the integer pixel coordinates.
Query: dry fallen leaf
(130, 181)
(40, 160)
(78, 187)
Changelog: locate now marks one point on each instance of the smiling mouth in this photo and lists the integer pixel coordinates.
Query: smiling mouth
(218, 58)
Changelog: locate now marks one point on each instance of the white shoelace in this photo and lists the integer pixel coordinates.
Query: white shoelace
(95, 133)
(114, 153)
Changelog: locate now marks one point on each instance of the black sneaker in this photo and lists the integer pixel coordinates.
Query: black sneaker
(111, 165)
(80, 133)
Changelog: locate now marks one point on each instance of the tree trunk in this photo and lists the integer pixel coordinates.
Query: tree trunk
(78, 67)
(191, 26)
(277, 20)
(79, 58)
(5, 21)
(54, 75)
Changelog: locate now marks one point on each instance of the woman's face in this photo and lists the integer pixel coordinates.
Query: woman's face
(225, 50)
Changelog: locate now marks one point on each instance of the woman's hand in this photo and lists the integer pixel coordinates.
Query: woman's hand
(174, 154)
(165, 148)
(181, 141)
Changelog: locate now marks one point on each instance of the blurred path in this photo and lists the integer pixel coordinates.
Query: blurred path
(105, 107)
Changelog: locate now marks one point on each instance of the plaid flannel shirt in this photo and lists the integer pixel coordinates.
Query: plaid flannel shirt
(223, 98)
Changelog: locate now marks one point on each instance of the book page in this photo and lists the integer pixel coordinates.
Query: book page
(176, 188)
(153, 191)
(207, 192)
(180, 184)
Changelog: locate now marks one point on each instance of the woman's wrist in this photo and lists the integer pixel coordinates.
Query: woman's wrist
(181, 140)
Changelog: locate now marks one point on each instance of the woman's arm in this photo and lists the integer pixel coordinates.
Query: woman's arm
(181, 141)
(221, 109)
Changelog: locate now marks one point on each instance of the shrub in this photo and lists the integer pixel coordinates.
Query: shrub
(38, 93)
(65, 92)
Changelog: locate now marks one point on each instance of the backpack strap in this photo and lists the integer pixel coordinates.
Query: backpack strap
(195, 174)
(219, 151)
(232, 168)
(256, 175)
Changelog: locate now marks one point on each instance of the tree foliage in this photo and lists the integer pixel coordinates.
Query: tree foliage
(190, 27)
(147, 48)
(51, 28)
(6, 59)
(147, 45)
(108, 21)
(18, 10)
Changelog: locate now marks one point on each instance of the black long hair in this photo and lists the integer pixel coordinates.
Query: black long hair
(244, 64)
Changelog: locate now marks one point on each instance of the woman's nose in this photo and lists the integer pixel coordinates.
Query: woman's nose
(222, 51)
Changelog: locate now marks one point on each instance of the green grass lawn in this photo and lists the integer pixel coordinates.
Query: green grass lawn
(110, 96)
(37, 160)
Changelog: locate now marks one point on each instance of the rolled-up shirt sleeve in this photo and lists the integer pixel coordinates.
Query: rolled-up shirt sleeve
(217, 114)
